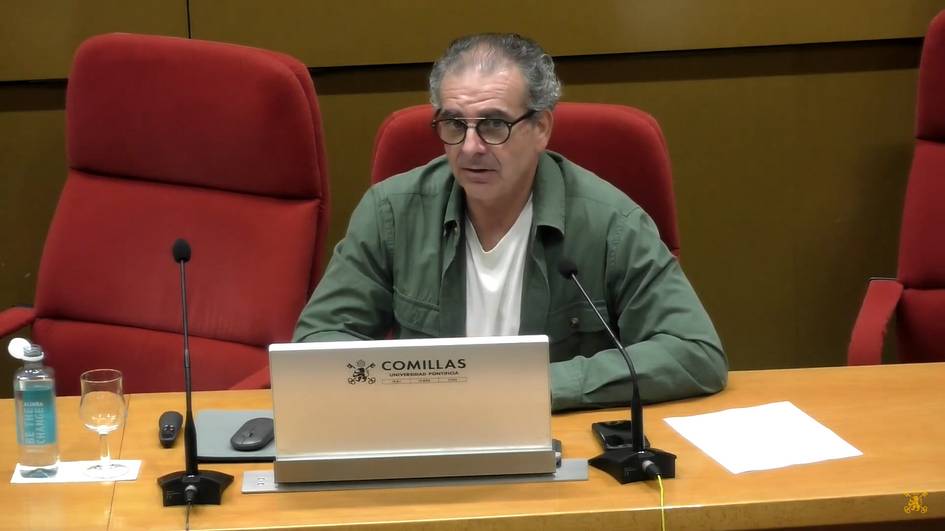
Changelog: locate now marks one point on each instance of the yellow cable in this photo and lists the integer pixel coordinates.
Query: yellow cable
(662, 504)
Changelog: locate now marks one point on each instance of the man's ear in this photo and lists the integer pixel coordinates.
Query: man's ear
(543, 126)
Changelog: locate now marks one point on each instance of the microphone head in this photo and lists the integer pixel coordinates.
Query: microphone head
(181, 250)
(567, 267)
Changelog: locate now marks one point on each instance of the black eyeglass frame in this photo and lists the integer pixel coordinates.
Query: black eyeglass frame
(465, 121)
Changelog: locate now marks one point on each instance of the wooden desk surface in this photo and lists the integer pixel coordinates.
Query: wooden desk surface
(893, 414)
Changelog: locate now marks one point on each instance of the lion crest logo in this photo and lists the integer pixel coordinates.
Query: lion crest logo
(361, 373)
(914, 503)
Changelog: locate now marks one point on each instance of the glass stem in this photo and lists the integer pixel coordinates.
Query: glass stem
(105, 457)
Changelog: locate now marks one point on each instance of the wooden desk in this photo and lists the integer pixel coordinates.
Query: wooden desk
(894, 414)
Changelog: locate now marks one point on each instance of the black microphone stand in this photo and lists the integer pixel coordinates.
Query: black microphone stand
(192, 486)
(636, 462)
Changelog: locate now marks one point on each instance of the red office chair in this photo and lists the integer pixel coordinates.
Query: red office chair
(917, 294)
(219, 144)
(620, 144)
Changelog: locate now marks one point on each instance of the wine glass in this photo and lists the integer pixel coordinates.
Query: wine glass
(102, 409)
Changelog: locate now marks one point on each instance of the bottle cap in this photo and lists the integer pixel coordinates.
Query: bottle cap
(22, 349)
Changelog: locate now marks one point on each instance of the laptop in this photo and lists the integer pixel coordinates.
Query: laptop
(411, 408)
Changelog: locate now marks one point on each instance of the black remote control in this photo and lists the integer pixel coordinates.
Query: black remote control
(168, 427)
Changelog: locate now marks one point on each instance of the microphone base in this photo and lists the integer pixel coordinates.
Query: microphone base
(626, 465)
(210, 486)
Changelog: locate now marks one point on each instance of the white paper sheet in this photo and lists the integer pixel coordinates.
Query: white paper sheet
(762, 437)
(74, 472)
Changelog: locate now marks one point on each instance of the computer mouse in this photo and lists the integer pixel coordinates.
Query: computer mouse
(253, 435)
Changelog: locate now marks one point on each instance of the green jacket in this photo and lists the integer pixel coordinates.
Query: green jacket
(401, 268)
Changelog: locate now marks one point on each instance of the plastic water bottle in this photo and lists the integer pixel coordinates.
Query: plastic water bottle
(34, 394)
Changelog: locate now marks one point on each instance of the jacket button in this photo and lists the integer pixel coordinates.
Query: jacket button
(574, 322)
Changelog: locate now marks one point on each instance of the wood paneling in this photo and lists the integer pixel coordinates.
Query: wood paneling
(790, 161)
(371, 32)
(38, 39)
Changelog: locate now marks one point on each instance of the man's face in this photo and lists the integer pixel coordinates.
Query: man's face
(493, 175)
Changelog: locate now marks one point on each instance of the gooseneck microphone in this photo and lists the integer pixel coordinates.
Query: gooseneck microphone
(191, 486)
(636, 462)
(181, 252)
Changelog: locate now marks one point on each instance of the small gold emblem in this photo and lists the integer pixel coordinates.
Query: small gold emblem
(914, 502)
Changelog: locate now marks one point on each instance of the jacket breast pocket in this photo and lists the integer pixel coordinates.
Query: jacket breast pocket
(415, 318)
(575, 330)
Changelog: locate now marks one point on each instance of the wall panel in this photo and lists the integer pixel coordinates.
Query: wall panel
(38, 38)
(790, 161)
(370, 32)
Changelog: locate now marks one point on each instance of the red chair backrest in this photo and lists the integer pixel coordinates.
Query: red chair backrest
(620, 144)
(921, 311)
(174, 138)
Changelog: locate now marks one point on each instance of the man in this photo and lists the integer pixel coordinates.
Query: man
(469, 245)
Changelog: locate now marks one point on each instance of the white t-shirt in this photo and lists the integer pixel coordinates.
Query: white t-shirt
(494, 279)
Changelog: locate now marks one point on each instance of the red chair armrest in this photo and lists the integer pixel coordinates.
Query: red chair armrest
(869, 331)
(257, 380)
(13, 319)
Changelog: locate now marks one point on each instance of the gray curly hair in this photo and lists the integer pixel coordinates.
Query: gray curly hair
(491, 51)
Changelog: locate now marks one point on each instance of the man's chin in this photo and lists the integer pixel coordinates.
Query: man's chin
(478, 191)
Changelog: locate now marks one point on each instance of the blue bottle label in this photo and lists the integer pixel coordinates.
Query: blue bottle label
(39, 417)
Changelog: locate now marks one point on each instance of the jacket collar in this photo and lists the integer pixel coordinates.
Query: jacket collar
(547, 200)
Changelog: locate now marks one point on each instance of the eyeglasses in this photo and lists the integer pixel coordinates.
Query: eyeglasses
(492, 131)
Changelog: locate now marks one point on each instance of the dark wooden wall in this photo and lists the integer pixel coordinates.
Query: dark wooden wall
(789, 124)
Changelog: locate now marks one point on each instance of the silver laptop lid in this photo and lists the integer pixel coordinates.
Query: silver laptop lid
(338, 399)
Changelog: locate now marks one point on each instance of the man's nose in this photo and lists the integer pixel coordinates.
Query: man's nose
(473, 143)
